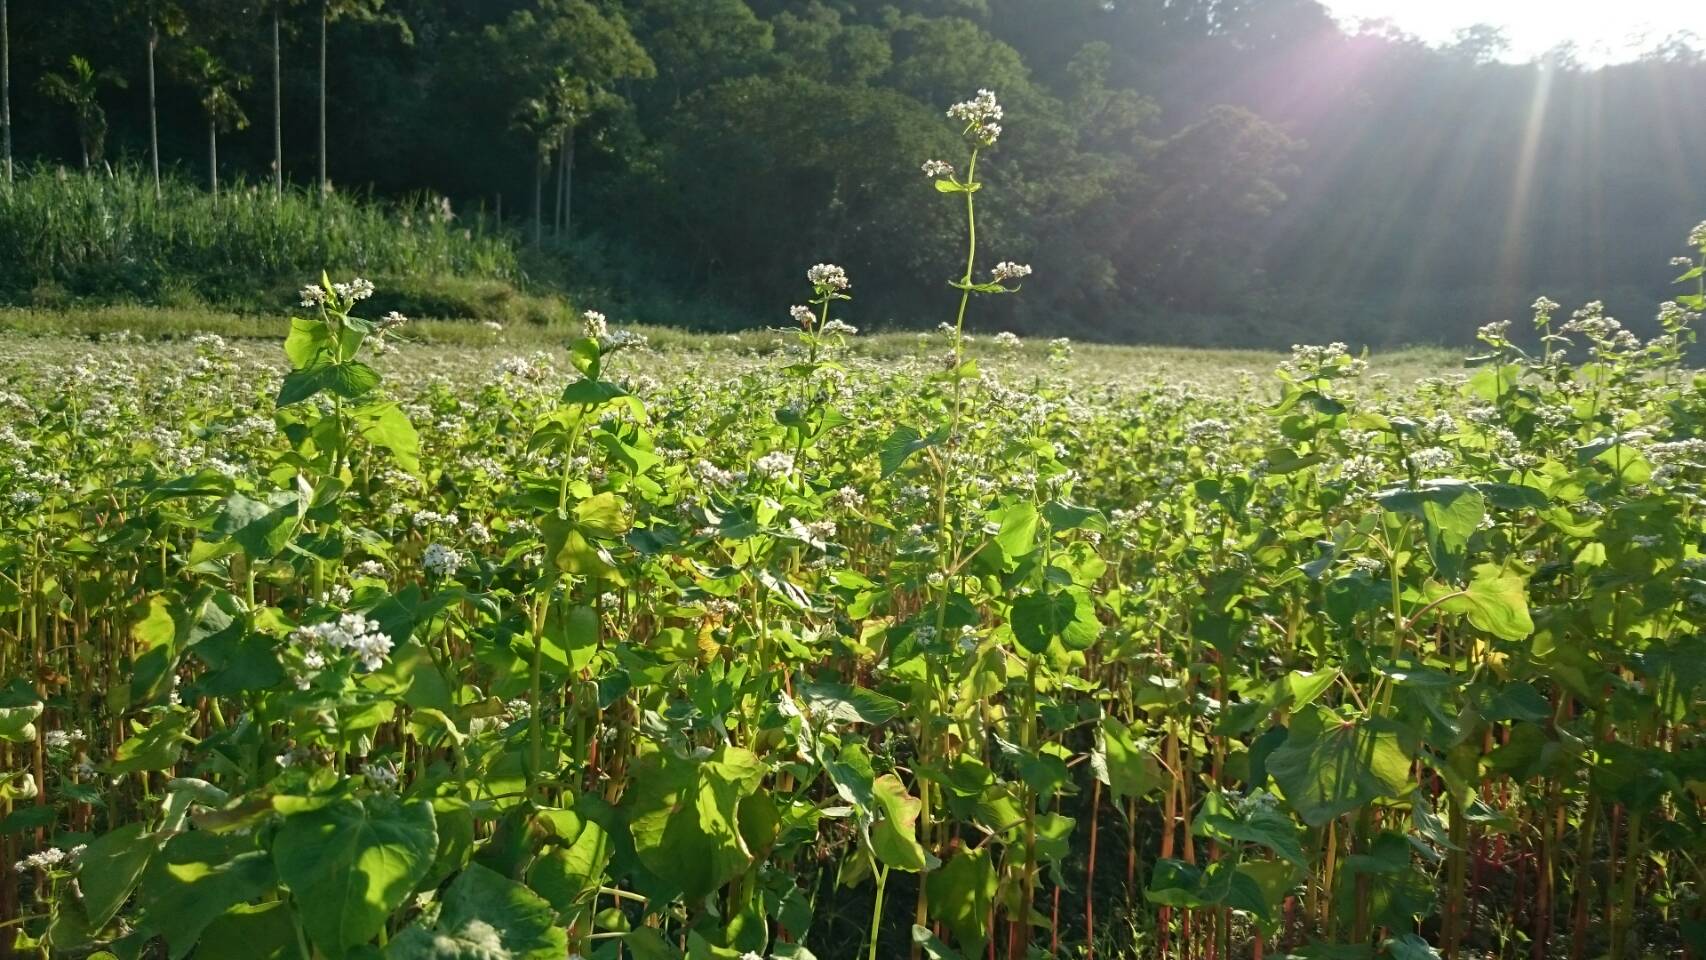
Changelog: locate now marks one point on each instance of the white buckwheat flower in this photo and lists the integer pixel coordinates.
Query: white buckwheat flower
(938, 169)
(440, 560)
(802, 315)
(1431, 459)
(594, 326)
(1007, 270)
(775, 464)
(981, 115)
(43, 860)
(828, 276)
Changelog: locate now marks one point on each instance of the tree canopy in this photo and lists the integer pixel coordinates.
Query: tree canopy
(1209, 171)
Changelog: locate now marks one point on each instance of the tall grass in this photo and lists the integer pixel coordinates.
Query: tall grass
(103, 236)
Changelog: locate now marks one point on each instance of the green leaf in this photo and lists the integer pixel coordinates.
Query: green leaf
(894, 838)
(262, 931)
(1063, 515)
(586, 356)
(1450, 511)
(1256, 820)
(109, 869)
(486, 916)
(1018, 534)
(18, 714)
(902, 444)
(195, 880)
(350, 381)
(592, 393)
(843, 703)
(569, 876)
(309, 342)
(684, 817)
(1495, 601)
(1127, 769)
(933, 948)
(647, 943)
(1409, 947)
(961, 894)
(386, 426)
(350, 863)
(1039, 618)
(603, 515)
(260, 529)
(1299, 688)
(1179, 884)
(570, 551)
(1330, 766)
(155, 747)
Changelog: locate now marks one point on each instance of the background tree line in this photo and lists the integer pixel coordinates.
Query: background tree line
(1204, 171)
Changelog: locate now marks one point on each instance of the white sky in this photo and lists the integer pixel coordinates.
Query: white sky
(1606, 31)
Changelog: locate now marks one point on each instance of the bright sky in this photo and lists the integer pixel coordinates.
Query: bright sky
(1605, 31)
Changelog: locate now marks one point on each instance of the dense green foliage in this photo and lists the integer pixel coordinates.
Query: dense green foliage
(1207, 171)
(112, 237)
(330, 653)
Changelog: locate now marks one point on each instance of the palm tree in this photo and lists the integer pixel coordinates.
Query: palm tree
(539, 118)
(277, 102)
(160, 15)
(5, 92)
(80, 89)
(330, 10)
(567, 53)
(219, 87)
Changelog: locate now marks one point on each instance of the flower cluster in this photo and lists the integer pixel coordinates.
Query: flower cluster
(938, 169)
(62, 739)
(1313, 362)
(802, 315)
(1007, 270)
(351, 633)
(48, 859)
(982, 116)
(775, 464)
(440, 560)
(594, 326)
(1431, 459)
(828, 278)
(316, 295)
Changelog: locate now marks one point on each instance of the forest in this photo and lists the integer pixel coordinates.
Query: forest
(1207, 171)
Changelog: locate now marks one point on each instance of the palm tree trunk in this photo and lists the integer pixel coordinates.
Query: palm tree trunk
(277, 114)
(5, 92)
(568, 181)
(213, 156)
(560, 213)
(538, 195)
(153, 113)
(324, 14)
